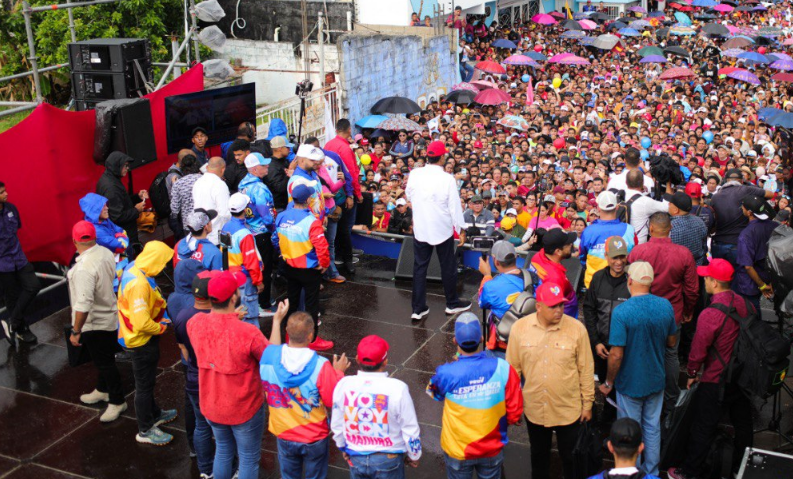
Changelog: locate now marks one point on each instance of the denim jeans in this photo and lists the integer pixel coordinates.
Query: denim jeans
(486, 467)
(466, 72)
(250, 299)
(144, 368)
(202, 438)
(330, 235)
(294, 457)
(647, 412)
(378, 466)
(672, 371)
(243, 440)
(724, 251)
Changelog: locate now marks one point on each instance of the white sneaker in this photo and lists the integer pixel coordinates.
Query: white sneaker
(94, 397)
(112, 412)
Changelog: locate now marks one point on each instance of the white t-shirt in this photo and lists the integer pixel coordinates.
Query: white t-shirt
(641, 210)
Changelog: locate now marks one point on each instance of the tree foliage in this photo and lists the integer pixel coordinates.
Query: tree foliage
(157, 20)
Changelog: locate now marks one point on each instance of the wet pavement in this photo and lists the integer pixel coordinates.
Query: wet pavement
(45, 432)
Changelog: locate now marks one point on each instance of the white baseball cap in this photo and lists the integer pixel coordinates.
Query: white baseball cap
(238, 202)
(256, 159)
(311, 152)
(401, 202)
(607, 201)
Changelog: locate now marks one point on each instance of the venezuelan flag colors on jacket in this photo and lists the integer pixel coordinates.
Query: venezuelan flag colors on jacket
(593, 244)
(301, 238)
(481, 397)
(141, 307)
(243, 255)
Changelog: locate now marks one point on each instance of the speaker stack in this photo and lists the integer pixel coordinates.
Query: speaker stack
(109, 69)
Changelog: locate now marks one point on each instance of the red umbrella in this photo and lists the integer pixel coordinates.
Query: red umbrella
(558, 15)
(492, 96)
(490, 67)
(677, 72)
(726, 70)
(788, 77)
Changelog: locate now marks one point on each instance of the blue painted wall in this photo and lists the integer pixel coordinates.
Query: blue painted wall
(379, 66)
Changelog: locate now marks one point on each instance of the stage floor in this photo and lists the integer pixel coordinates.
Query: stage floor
(47, 433)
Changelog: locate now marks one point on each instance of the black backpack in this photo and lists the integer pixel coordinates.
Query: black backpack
(624, 209)
(158, 194)
(759, 361)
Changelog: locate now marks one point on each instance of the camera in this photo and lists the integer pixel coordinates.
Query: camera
(482, 243)
(225, 239)
(303, 88)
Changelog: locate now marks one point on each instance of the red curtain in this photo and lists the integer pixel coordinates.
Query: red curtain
(47, 166)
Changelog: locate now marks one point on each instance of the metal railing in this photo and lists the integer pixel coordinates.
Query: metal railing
(314, 120)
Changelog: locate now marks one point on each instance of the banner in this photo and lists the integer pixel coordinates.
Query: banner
(46, 162)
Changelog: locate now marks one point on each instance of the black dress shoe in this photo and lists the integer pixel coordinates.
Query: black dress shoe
(26, 336)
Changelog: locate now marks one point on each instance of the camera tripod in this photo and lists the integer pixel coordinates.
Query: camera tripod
(775, 423)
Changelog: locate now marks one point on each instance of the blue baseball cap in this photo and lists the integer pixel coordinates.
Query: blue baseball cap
(301, 193)
(467, 330)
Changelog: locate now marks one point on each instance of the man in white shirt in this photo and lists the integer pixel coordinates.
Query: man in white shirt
(374, 421)
(437, 215)
(210, 192)
(632, 161)
(642, 207)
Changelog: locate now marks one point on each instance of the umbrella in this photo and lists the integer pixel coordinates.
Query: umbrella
(574, 60)
(378, 133)
(704, 16)
(788, 42)
(744, 8)
(759, 8)
(744, 76)
(679, 51)
(398, 123)
(661, 33)
(637, 10)
(724, 8)
(465, 86)
(783, 119)
(727, 70)
(732, 52)
(754, 56)
(769, 32)
(543, 19)
(492, 96)
(586, 41)
(371, 121)
(653, 59)
(606, 42)
(764, 40)
(715, 29)
(484, 84)
(599, 17)
(786, 77)
(588, 24)
(655, 14)
(683, 19)
(736, 43)
(504, 43)
(647, 51)
(515, 122)
(677, 73)
(571, 25)
(617, 25)
(638, 24)
(573, 34)
(783, 64)
(768, 112)
(558, 14)
(682, 30)
(780, 56)
(396, 104)
(704, 3)
(559, 56)
(536, 56)
(490, 67)
(461, 96)
(629, 32)
(520, 60)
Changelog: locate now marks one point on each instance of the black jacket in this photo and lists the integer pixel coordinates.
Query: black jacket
(233, 175)
(399, 224)
(277, 181)
(119, 202)
(604, 294)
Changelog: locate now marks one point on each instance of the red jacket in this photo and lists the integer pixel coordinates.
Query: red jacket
(341, 147)
(675, 273)
(708, 324)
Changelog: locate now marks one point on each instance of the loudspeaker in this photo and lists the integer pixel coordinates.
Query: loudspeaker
(404, 267)
(107, 86)
(125, 126)
(572, 265)
(110, 55)
(760, 464)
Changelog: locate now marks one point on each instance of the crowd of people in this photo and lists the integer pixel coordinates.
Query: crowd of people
(664, 188)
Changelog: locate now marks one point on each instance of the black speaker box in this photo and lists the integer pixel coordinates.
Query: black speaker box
(109, 55)
(129, 126)
(760, 464)
(404, 267)
(106, 86)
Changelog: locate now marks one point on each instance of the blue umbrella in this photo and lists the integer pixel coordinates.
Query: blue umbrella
(683, 19)
(653, 59)
(754, 56)
(655, 14)
(504, 43)
(704, 3)
(783, 119)
(617, 25)
(768, 112)
(637, 24)
(629, 32)
(371, 121)
(745, 37)
(573, 34)
(586, 41)
(536, 56)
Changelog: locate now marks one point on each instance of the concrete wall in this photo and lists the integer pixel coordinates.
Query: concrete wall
(374, 66)
(276, 66)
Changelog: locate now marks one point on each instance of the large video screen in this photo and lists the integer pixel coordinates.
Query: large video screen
(219, 111)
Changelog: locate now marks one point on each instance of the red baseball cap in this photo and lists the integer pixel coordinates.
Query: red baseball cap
(372, 350)
(83, 232)
(477, 144)
(550, 294)
(718, 269)
(436, 148)
(694, 190)
(222, 286)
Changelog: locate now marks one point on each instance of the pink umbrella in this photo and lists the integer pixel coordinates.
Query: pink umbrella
(484, 84)
(788, 41)
(465, 86)
(559, 57)
(732, 29)
(574, 60)
(543, 19)
(588, 24)
(492, 96)
(724, 8)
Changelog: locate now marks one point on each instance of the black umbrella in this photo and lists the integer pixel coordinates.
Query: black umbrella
(715, 29)
(661, 33)
(461, 96)
(763, 41)
(705, 16)
(731, 2)
(599, 17)
(396, 104)
(744, 8)
(679, 51)
(571, 25)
